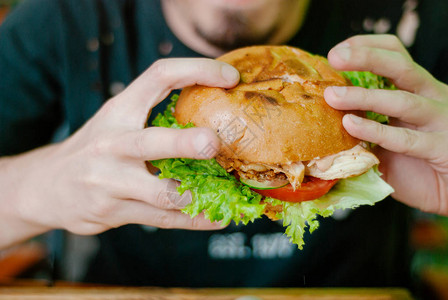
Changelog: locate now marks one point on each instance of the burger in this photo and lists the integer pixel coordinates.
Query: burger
(284, 152)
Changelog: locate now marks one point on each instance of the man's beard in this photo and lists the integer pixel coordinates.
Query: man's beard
(234, 32)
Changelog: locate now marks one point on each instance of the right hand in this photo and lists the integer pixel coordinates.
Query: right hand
(413, 147)
(97, 178)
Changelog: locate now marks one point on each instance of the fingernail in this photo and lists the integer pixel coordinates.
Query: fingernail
(344, 53)
(204, 146)
(230, 74)
(340, 91)
(354, 119)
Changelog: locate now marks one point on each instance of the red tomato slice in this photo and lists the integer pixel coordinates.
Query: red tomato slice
(310, 190)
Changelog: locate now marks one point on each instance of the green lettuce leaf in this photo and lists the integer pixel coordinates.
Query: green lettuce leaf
(369, 80)
(216, 193)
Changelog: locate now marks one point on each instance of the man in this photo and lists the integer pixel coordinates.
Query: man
(60, 66)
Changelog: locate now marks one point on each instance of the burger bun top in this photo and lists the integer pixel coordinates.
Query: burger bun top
(277, 113)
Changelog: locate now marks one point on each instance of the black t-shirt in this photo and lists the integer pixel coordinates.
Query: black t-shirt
(63, 59)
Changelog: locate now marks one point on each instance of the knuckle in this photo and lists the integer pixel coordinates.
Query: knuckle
(161, 75)
(179, 142)
(381, 132)
(367, 57)
(100, 209)
(179, 145)
(410, 139)
(407, 64)
(410, 103)
(376, 133)
(365, 95)
(163, 220)
(158, 68)
(90, 179)
(139, 144)
(167, 196)
(158, 71)
(392, 39)
(99, 146)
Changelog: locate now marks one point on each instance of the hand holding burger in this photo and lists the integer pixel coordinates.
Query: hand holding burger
(414, 146)
(97, 178)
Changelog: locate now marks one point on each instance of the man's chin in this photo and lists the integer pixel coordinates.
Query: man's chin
(231, 39)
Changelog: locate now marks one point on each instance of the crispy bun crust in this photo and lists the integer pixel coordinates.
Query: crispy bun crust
(277, 113)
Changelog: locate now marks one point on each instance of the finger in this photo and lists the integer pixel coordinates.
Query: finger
(165, 75)
(139, 185)
(396, 139)
(401, 70)
(405, 106)
(137, 212)
(158, 142)
(133, 181)
(382, 41)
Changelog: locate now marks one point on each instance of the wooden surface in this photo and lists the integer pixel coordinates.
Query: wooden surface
(107, 293)
(18, 259)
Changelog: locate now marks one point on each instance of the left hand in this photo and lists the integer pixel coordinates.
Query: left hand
(414, 146)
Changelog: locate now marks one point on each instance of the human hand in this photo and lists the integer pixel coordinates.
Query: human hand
(97, 178)
(414, 146)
